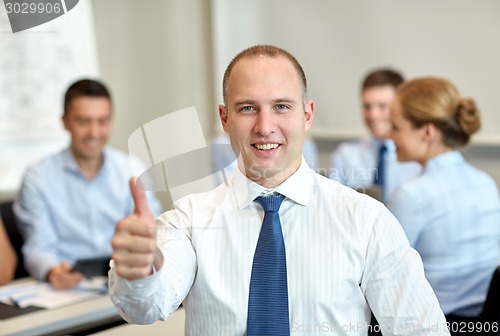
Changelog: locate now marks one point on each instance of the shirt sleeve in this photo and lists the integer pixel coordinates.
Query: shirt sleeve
(40, 240)
(395, 286)
(153, 298)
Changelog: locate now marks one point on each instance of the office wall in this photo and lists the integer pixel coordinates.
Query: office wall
(156, 57)
(337, 42)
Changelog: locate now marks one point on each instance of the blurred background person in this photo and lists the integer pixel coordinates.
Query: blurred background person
(451, 212)
(69, 202)
(370, 165)
(9, 259)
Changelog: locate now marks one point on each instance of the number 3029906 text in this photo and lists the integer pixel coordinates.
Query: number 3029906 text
(32, 8)
(472, 327)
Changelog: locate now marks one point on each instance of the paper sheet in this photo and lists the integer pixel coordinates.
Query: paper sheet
(41, 294)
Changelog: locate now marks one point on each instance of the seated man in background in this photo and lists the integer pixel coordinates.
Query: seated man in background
(371, 164)
(9, 258)
(69, 202)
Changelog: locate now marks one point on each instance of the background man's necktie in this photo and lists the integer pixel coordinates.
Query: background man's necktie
(379, 178)
(268, 298)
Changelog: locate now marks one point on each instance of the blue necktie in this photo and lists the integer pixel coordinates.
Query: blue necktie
(268, 298)
(380, 173)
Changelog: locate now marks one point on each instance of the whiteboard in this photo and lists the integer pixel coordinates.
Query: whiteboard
(36, 67)
(338, 42)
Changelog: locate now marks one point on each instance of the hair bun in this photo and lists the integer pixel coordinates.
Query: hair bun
(468, 116)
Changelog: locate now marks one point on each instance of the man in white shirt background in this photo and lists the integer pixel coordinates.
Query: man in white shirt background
(368, 164)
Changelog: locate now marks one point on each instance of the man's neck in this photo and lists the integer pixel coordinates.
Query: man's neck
(271, 182)
(381, 139)
(89, 167)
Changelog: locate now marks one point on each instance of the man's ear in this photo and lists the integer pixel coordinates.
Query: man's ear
(64, 120)
(309, 113)
(223, 115)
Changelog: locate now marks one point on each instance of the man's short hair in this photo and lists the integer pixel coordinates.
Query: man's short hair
(269, 51)
(84, 88)
(382, 77)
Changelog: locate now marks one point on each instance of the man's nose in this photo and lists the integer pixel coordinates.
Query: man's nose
(265, 122)
(94, 130)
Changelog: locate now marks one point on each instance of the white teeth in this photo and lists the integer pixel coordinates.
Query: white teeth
(267, 146)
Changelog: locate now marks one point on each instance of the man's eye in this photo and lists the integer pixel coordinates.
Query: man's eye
(82, 122)
(281, 107)
(246, 108)
(104, 122)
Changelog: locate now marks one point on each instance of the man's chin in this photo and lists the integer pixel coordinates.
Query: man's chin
(89, 155)
(260, 171)
(402, 158)
(380, 134)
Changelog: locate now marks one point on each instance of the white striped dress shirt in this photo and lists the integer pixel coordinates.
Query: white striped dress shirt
(346, 254)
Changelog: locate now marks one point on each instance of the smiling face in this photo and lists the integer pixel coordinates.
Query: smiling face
(411, 142)
(377, 102)
(266, 118)
(88, 119)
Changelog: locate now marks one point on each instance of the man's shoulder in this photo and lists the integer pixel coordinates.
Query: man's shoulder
(326, 186)
(116, 154)
(198, 204)
(208, 198)
(45, 172)
(47, 163)
(337, 197)
(116, 159)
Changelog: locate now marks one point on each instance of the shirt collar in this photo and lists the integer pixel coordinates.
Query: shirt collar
(297, 187)
(452, 158)
(389, 144)
(70, 163)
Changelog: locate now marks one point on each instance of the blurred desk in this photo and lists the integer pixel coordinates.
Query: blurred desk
(77, 317)
(173, 326)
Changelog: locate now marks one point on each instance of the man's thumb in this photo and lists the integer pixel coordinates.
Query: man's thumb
(141, 207)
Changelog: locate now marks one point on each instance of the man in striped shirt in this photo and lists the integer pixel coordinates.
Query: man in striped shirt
(346, 255)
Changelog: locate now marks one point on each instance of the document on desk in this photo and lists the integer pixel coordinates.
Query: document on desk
(41, 294)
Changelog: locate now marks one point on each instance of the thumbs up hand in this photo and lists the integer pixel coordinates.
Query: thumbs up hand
(134, 241)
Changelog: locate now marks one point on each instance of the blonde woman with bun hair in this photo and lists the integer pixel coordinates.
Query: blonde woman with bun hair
(451, 211)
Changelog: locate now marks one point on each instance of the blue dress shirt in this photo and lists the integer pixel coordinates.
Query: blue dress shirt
(354, 164)
(451, 215)
(64, 216)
